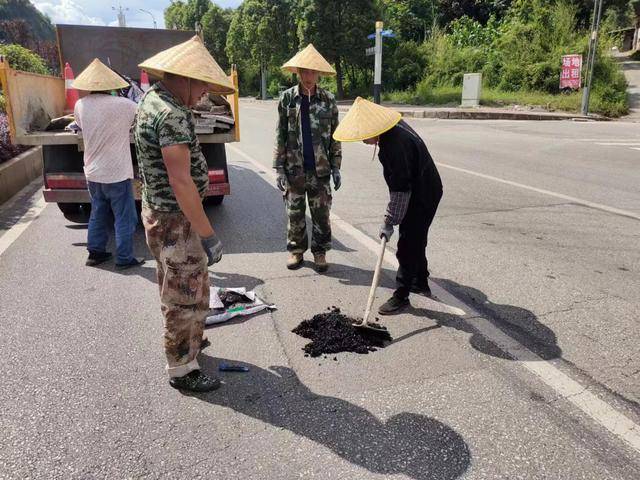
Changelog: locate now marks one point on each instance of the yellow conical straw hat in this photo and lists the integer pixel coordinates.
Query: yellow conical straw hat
(310, 59)
(97, 77)
(190, 59)
(365, 120)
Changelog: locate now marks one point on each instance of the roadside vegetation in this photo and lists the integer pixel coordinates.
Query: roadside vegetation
(23, 59)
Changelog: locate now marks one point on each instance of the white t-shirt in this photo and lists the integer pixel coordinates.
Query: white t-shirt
(105, 121)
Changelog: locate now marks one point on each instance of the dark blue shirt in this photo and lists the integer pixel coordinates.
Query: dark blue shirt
(307, 138)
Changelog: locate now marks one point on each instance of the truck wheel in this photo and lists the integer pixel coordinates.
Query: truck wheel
(69, 208)
(214, 200)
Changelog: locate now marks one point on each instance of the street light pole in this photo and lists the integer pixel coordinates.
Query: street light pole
(155, 25)
(377, 79)
(591, 58)
(122, 21)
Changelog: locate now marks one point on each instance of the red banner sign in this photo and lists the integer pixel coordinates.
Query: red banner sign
(570, 76)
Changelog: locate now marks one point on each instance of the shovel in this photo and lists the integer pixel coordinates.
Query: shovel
(374, 328)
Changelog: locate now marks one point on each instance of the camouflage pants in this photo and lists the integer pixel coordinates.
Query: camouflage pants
(183, 280)
(318, 191)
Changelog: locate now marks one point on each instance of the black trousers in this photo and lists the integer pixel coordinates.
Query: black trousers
(412, 248)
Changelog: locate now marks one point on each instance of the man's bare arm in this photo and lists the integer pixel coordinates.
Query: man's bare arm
(177, 159)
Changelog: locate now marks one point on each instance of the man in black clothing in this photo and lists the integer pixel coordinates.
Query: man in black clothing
(415, 191)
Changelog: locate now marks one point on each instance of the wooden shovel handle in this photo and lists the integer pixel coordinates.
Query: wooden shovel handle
(376, 280)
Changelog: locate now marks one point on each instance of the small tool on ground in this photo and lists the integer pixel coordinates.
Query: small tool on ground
(375, 328)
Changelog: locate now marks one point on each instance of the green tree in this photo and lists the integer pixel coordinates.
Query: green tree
(194, 10)
(410, 19)
(261, 35)
(339, 31)
(174, 15)
(22, 59)
(215, 27)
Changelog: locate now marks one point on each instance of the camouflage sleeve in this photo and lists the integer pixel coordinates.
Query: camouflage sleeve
(335, 150)
(173, 129)
(279, 152)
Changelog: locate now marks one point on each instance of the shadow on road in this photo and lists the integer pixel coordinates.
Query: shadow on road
(407, 443)
(253, 219)
(517, 322)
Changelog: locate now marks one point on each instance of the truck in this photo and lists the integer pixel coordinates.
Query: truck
(33, 100)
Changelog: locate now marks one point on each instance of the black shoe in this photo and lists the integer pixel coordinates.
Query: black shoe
(195, 381)
(204, 343)
(135, 262)
(393, 305)
(96, 258)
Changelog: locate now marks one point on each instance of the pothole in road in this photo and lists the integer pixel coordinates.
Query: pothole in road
(334, 332)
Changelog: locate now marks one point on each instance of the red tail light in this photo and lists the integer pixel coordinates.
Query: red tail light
(217, 176)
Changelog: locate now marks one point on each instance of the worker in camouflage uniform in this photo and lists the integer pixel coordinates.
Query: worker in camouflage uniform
(306, 157)
(175, 179)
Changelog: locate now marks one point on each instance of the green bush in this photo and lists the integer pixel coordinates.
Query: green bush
(520, 58)
(23, 59)
(3, 104)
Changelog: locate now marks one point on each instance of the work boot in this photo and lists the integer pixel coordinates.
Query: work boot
(135, 262)
(295, 261)
(321, 262)
(196, 381)
(393, 305)
(96, 258)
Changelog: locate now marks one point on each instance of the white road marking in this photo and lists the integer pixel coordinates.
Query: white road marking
(617, 144)
(601, 412)
(21, 225)
(580, 201)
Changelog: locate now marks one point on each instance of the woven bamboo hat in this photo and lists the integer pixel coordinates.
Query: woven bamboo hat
(190, 59)
(310, 59)
(97, 77)
(365, 120)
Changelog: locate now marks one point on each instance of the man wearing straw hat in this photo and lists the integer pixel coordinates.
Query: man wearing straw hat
(105, 121)
(306, 156)
(415, 190)
(175, 180)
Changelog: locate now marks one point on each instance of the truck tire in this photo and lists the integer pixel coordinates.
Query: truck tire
(214, 200)
(69, 208)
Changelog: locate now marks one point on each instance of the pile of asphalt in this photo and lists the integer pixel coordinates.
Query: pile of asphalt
(334, 332)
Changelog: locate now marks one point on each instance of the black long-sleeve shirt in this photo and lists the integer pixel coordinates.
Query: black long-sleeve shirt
(408, 166)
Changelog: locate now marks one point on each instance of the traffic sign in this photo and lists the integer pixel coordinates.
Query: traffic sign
(370, 51)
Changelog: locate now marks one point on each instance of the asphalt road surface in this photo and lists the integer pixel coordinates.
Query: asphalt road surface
(536, 240)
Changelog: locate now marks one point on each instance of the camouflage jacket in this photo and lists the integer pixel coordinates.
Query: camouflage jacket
(323, 113)
(161, 121)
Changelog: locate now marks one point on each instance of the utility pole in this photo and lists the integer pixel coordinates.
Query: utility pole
(155, 25)
(591, 58)
(122, 21)
(377, 78)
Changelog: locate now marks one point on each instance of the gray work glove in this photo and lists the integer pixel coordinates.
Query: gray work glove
(281, 181)
(386, 231)
(337, 178)
(213, 248)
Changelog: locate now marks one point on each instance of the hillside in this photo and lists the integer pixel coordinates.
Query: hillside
(41, 26)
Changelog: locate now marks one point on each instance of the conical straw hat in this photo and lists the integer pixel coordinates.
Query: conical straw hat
(97, 77)
(365, 120)
(192, 60)
(310, 59)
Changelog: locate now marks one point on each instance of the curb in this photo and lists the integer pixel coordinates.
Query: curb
(453, 114)
(19, 172)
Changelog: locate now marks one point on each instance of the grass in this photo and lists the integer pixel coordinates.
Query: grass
(451, 96)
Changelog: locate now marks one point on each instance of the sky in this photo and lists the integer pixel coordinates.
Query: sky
(100, 12)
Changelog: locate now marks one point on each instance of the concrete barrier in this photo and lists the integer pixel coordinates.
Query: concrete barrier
(19, 172)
